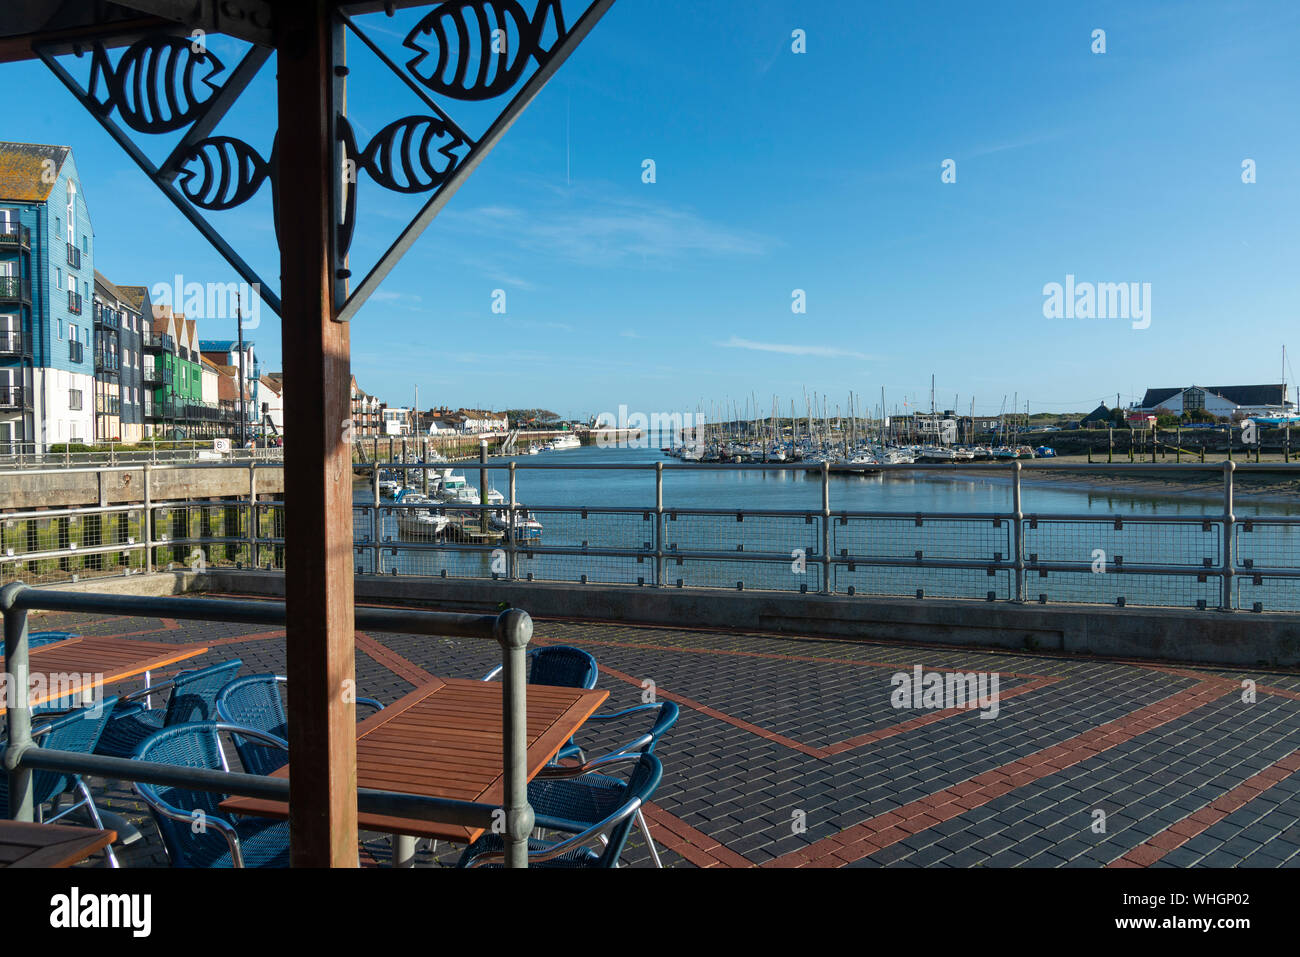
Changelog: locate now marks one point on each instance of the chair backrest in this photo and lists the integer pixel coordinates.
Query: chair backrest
(37, 638)
(668, 712)
(77, 731)
(194, 693)
(562, 665)
(255, 702)
(641, 785)
(189, 745)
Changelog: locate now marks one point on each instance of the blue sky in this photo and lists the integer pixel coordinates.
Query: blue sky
(818, 171)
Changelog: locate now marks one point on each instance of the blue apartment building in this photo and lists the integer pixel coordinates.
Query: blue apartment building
(47, 343)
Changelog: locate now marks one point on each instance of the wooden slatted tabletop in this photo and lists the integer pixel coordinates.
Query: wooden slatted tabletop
(49, 845)
(112, 658)
(444, 740)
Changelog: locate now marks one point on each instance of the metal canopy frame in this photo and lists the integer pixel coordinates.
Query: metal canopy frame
(230, 172)
(315, 216)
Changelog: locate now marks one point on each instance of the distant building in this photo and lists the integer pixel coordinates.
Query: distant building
(47, 362)
(1098, 418)
(1220, 401)
(479, 420)
(365, 412)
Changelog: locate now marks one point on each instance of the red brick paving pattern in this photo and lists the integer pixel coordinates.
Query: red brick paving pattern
(679, 838)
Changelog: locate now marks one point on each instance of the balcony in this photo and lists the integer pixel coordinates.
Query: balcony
(74, 302)
(13, 288)
(107, 362)
(156, 410)
(108, 404)
(153, 342)
(157, 375)
(74, 256)
(15, 235)
(107, 318)
(76, 351)
(14, 397)
(12, 343)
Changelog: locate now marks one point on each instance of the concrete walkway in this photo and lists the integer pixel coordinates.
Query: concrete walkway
(809, 753)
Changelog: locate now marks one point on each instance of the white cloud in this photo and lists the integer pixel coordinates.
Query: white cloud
(794, 349)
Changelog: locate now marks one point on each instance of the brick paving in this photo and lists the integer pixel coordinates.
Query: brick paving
(790, 752)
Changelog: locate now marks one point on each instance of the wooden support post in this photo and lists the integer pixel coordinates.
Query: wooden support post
(318, 477)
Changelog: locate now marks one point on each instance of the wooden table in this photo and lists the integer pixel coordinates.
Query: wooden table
(444, 740)
(49, 845)
(111, 659)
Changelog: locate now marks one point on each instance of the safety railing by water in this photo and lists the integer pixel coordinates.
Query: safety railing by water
(27, 455)
(512, 630)
(1215, 560)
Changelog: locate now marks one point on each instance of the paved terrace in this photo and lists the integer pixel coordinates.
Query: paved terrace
(1186, 773)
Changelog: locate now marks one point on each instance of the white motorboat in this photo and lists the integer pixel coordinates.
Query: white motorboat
(567, 441)
(425, 522)
(453, 489)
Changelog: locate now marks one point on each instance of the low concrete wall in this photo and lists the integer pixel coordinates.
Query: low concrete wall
(21, 490)
(1164, 634)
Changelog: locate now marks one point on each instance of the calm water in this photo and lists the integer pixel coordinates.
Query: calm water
(762, 489)
(778, 537)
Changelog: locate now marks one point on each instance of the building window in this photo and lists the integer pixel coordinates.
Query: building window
(74, 399)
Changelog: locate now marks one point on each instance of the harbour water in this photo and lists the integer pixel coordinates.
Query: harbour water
(558, 498)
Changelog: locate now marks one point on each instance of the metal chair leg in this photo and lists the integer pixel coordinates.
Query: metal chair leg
(110, 859)
(649, 841)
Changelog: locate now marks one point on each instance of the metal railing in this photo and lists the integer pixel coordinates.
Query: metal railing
(154, 340)
(74, 302)
(14, 233)
(14, 287)
(1212, 560)
(1217, 560)
(76, 351)
(14, 397)
(512, 630)
(74, 256)
(11, 342)
(35, 456)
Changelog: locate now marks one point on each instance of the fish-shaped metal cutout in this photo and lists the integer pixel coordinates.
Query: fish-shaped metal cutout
(160, 84)
(404, 155)
(464, 33)
(221, 172)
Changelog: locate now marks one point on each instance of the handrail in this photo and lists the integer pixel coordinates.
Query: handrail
(512, 630)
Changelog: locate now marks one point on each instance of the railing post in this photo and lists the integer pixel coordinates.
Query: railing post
(659, 524)
(252, 515)
(146, 526)
(826, 528)
(1229, 543)
(1018, 530)
(483, 487)
(375, 523)
(21, 806)
(511, 529)
(514, 630)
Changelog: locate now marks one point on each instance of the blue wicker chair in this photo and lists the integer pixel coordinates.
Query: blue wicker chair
(611, 829)
(580, 796)
(565, 667)
(193, 698)
(255, 702)
(195, 832)
(37, 638)
(77, 731)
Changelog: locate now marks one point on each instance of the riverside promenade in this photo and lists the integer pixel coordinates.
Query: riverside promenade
(790, 752)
